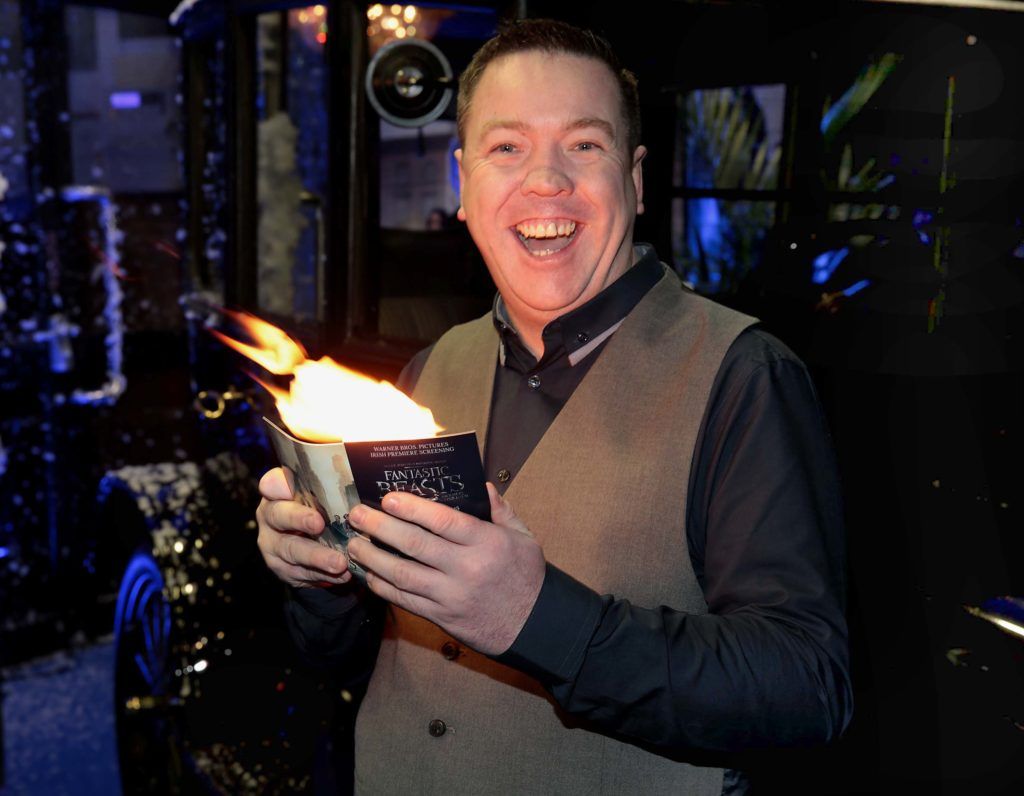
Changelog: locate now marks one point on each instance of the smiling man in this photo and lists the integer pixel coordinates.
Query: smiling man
(669, 588)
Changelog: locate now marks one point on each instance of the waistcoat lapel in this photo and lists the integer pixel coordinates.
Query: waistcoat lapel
(458, 379)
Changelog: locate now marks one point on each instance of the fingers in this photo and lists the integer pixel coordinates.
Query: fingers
(285, 528)
(402, 575)
(502, 512)
(421, 606)
(301, 561)
(288, 516)
(412, 540)
(435, 517)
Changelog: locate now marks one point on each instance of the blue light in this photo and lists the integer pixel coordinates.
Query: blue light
(125, 100)
(453, 167)
(4, 552)
(922, 217)
(856, 287)
(826, 263)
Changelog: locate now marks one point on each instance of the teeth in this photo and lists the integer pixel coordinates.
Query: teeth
(551, 229)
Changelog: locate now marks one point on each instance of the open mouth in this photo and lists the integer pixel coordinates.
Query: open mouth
(545, 237)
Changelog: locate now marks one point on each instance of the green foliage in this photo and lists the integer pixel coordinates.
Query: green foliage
(853, 100)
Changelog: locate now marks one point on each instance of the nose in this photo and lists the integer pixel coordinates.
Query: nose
(546, 176)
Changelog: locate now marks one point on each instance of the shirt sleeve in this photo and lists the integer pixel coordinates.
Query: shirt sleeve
(338, 628)
(767, 665)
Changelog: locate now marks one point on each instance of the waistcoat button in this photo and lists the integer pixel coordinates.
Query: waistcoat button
(436, 728)
(534, 382)
(450, 650)
(583, 337)
(504, 475)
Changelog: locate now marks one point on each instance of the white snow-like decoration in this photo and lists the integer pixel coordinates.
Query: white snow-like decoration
(161, 490)
(105, 271)
(279, 190)
(183, 8)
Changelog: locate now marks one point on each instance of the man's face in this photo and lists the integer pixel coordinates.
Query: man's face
(549, 191)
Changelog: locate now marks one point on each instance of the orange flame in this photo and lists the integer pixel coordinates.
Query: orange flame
(328, 402)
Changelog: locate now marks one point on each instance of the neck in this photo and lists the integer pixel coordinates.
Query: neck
(529, 324)
(529, 330)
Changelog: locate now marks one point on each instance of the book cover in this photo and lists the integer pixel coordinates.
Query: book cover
(332, 477)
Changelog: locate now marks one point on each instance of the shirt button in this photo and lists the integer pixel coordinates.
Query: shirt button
(534, 382)
(437, 728)
(583, 337)
(450, 650)
(504, 475)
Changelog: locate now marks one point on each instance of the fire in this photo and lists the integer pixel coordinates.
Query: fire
(328, 402)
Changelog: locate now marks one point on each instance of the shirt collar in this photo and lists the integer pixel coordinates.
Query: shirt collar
(581, 330)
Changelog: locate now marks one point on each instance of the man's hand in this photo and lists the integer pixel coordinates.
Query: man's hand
(477, 580)
(287, 536)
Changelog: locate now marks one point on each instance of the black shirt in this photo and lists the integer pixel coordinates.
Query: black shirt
(767, 666)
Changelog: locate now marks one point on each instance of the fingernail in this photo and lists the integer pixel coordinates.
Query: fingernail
(311, 523)
(356, 513)
(389, 501)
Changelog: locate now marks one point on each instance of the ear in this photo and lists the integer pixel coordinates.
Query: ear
(638, 177)
(460, 213)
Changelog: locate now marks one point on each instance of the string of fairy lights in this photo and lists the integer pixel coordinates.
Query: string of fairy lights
(384, 22)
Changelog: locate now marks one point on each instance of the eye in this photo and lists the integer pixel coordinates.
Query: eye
(587, 146)
(504, 149)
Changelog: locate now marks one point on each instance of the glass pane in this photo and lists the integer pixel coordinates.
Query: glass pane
(418, 176)
(124, 107)
(292, 161)
(429, 273)
(731, 137)
(716, 243)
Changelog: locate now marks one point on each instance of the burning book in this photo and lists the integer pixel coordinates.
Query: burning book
(354, 439)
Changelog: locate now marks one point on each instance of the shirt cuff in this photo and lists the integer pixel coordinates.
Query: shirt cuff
(553, 642)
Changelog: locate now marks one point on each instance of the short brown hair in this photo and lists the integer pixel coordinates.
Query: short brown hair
(551, 36)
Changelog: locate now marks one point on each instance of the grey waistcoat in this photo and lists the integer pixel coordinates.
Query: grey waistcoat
(604, 493)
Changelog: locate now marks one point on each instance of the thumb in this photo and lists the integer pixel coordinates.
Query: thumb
(502, 512)
(278, 484)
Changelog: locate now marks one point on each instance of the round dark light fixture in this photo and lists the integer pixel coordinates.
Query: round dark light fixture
(409, 83)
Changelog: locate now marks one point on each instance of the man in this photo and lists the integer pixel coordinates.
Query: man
(670, 584)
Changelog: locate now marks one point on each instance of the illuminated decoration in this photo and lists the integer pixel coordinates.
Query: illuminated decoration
(140, 601)
(387, 22)
(328, 402)
(920, 220)
(116, 381)
(125, 100)
(940, 260)
(395, 22)
(182, 8)
(1006, 613)
(831, 302)
(311, 23)
(854, 99)
(826, 263)
(991, 5)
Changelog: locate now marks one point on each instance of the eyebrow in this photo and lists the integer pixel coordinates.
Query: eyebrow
(576, 124)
